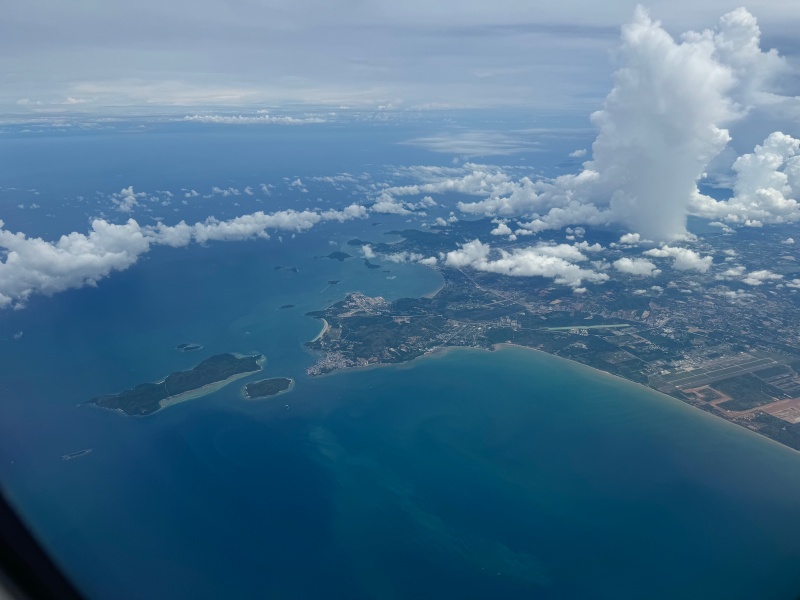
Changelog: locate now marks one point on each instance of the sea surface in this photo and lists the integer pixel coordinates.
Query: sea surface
(464, 474)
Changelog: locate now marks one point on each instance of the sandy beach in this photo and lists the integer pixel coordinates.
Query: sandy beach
(325, 328)
(207, 389)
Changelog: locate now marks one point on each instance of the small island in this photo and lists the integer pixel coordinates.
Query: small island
(370, 265)
(292, 269)
(188, 347)
(285, 306)
(267, 387)
(74, 455)
(340, 256)
(208, 376)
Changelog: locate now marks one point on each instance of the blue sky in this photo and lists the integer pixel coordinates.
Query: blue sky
(154, 56)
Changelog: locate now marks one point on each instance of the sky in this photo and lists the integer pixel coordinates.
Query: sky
(155, 56)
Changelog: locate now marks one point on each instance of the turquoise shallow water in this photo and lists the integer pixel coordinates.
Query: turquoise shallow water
(466, 474)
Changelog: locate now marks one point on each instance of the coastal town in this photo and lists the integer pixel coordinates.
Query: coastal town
(675, 336)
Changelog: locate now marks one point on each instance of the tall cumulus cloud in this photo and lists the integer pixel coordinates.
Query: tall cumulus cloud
(661, 125)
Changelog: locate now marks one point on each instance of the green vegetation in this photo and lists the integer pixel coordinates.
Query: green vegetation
(779, 430)
(746, 392)
(770, 372)
(267, 387)
(188, 347)
(340, 256)
(146, 398)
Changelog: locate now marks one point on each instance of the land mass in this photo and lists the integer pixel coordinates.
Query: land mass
(188, 347)
(78, 454)
(679, 343)
(267, 387)
(340, 256)
(147, 398)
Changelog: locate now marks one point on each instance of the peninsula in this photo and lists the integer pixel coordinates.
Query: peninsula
(675, 336)
(206, 377)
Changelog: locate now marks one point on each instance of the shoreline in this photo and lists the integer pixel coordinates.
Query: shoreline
(444, 350)
(686, 405)
(325, 328)
(434, 292)
(208, 388)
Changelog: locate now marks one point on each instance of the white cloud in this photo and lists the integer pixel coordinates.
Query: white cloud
(630, 239)
(636, 266)
(263, 119)
(387, 205)
(538, 261)
(587, 247)
(766, 185)
(474, 143)
(683, 259)
(578, 153)
(35, 266)
(229, 191)
(501, 229)
(788, 241)
(733, 273)
(662, 123)
(126, 199)
(403, 257)
(759, 277)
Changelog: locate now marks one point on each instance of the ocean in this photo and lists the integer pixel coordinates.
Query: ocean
(464, 474)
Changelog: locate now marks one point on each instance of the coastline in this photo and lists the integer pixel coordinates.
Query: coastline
(677, 402)
(325, 328)
(445, 350)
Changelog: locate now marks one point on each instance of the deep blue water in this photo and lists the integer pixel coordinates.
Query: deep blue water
(468, 474)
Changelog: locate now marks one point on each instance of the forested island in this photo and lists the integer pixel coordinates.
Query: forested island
(267, 387)
(147, 398)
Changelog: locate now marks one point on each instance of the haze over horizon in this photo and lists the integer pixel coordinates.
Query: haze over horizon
(117, 58)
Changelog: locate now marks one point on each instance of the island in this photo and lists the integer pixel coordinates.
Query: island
(285, 306)
(340, 256)
(188, 347)
(267, 387)
(370, 265)
(292, 269)
(208, 376)
(78, 454)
